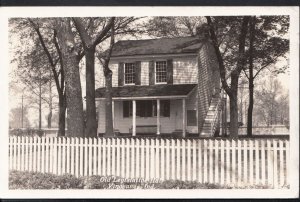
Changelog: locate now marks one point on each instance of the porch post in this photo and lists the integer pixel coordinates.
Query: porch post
(158, 116)
(183, 118)
(133, 117)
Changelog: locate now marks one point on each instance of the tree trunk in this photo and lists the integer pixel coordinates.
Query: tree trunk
(40, 105)
(62, 116)
(251, 78)
(72, 78)
(49, 119)
(234, 124)
(91, 124)
(109, 131)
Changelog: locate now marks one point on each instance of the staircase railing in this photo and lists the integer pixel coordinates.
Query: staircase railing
(217, 113)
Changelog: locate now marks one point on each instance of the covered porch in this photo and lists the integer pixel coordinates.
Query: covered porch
(161, 110)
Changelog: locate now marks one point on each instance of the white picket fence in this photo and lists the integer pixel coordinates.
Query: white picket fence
(226, 162)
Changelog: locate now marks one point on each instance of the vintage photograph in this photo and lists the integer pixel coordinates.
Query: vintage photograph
(149, 102)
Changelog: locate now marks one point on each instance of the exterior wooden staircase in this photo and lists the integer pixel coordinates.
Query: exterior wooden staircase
(211, 123)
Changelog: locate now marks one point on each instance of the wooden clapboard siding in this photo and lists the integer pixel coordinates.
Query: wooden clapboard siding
(185, 70)
(213, 160)
(145, 73)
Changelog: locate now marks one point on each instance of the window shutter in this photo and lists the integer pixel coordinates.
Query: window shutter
(138, 73)
(121, 74)
(151, 73)
(170, 71)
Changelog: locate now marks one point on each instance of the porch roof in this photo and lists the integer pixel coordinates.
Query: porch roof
(163, 91)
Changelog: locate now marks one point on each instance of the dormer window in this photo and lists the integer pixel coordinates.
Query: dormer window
(161, 72)
(129, 73)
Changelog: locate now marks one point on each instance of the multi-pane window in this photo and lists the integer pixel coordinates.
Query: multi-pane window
(161, 71)
(129, 73)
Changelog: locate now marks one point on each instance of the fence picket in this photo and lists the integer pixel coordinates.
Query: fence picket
(263, 162)
(245, 159)
(137, 161)
(77, 157)
(80, 156)
(104, 157)
(147, 159)
(216, 166)
(34, 153)
(275, 165)
(194, 161)
(108, 154)
(228, 181)
(22, 155)
(123, 158)
(51, 141)
(43, 155)
(132, 158)
(251, 162)
(200, 166)
(127, 166)
(189, 160)
(183, 163)
(85, 161)
(239, 163)
(118, 157)
(168, 159)
(99, 171)
(211, 146)
(142, 173)
(287, 161)
(90, 156)
(59, 156)
(270, 164)
(72, 156)
(162, 159)
(222, 163)
(233, 163)
(257, 162)
(281, 171)
(205, 162)
(156, 158)
(178, 166)
(173, 159)
(152, 159)
(113, 155)
(47, 154)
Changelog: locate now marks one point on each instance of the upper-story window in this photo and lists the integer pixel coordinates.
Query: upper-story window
(161, 72)
(129, 73)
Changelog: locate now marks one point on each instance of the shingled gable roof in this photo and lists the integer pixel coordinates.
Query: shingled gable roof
(148, 91)
(178, 45)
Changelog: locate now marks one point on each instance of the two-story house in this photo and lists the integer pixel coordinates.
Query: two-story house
(163, 86)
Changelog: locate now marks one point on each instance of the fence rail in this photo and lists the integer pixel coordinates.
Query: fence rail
(227, 162)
